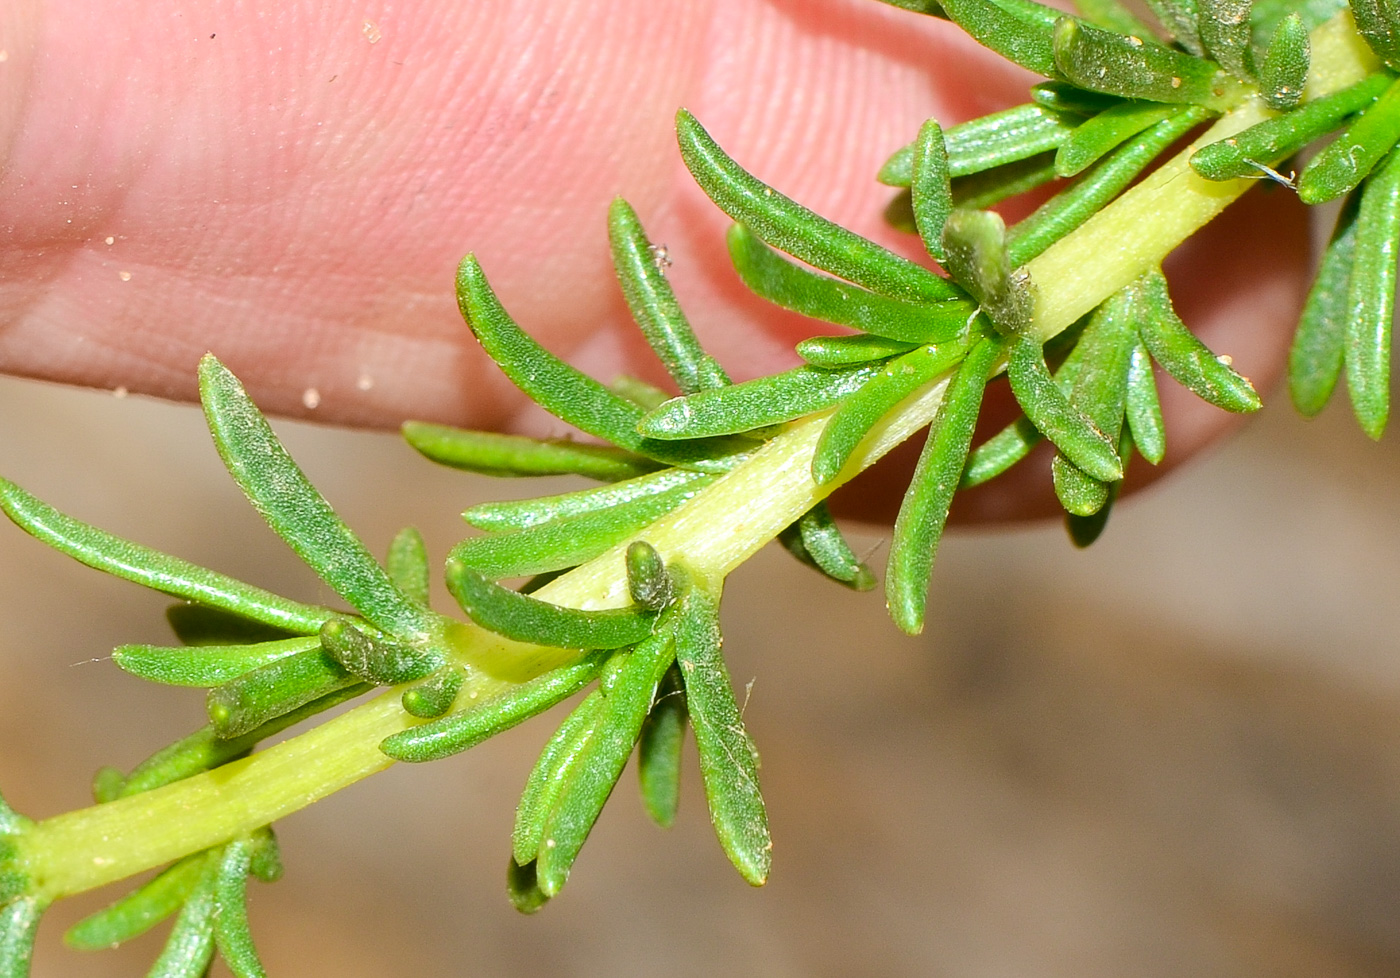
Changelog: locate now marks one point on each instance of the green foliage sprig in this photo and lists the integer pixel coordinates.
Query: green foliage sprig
(626, 578)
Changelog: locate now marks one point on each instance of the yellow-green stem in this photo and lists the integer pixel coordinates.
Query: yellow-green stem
(714, 533)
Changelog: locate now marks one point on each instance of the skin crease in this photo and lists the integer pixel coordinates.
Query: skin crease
(292, 185)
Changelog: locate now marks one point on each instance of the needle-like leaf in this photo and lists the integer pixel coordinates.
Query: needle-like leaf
(1144, 410)
(205, 665)
(1371, 297)
(551, 771)
(1284, 70)
(190, 947)
(1315, 360)
(242, 705)
(817, 541)
(990, 141)
(834, 352)
(231, 934)
(659, 750)
(407, 565)
(1051, 412)
(140, 910)
(932, 187)
(1344, 162)
(435, 695)
(491, 453)
(519, 514)
(1105, 132)
(1131, 68)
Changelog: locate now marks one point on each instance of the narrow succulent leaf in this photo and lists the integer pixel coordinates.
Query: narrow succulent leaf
(1114, 16)
(231, 934)
(756, 403)
(1179, 18)
(1144, 409)
(1050, 411)
(1183, 356)
(376, 659)
(1278, 138)
(142, 565)
(639, 392)
(522, 887)
(659, 750)
(1064, 97)
(976, 255)
(206, 665)
(285, 498)
(1225, 33)
(407, 565)
(1284, 69)
(930, 7)
(1266, 16)
(781, 282)
(728, 758)
(897, 380)
(265, 856)
(1378, 22)
(1016, 32)
(1371, 297)
(1070, 208)
(1000, 452)
(654, 305)
(932, 187)
(107, 784)
(1084, 530)
(994, 140)
(526, 619)
(524, 513)
(647, 580)
(204, 750)
(1131, 68)
(834, 352)
(570, 540)
(794, 229)
(435, 695)
(464, 729)
(198, 624)
(551, 771)
(140, 910)
(491, 453)
(1105, 132)
(1315, 360)
(581, 797)
(19, 923)
(255, 698)
(190, 947)
(815, 540)
(1344, 162)
(982, 190)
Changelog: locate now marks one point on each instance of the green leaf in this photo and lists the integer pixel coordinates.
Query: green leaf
(1183, 356)
(206, 665)
(1070, 208)
(1371, 297)
(787, 285)
(1278, 138)
(647, 581)
(464, 729)
(982, 190)
(407, 565)
(815, 540)
(659, 750)
(929, 7)
(1144, 410)
(860, 411)
(197, 624)
(1379, 23)
(1113, 16)
(522, 887)
(1344, 162)
(255, 698)
(755, 403)
(976, 255)
(552, 769)
(490, 453)
(285, 498)
(107, 784)
(994, 140)
(654, 304)
(639, 392)
(1315, 360)
(265, 858)
(924, 510)
(728, 759)
(1064, 97)
(1105, 132)
(1000, 452)
(794, 229)
(1131, 68)
(932, 187)
(231, 934)
(140, 910)
(190, 946)
(19, 923)
(1019, 32)
(834, 352)
(583, 794)
(1179, 18)
(171, 575)
(569, 540)
(519, 514)
(1084, 530)
(1051, 412)
(1225, 32)
(376, 659)
(1284, 69)
(435, 695)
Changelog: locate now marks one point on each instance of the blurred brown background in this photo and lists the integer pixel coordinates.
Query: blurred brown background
(1175, 753)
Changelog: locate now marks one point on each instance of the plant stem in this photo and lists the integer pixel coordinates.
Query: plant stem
(715, 532)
